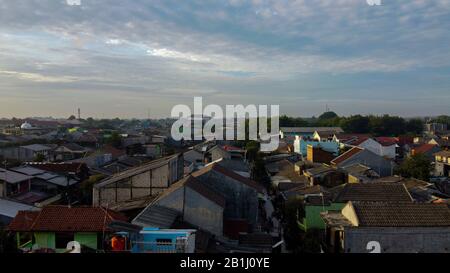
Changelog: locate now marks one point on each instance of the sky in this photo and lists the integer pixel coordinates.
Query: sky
(116, 58)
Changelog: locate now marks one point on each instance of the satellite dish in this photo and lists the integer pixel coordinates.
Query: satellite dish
(74, 247)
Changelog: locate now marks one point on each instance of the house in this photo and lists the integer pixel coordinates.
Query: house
(226, 152)
(318, 155)
(324, 136)
(69, 151)
(79, 171)
(53, 227)
(301, 145)
(286, 132)
(350, 139)
(359, 173)
(388, 228)
(241, 197)
(9, 210)
(189, 200)
(373, 192)
(156, 240)
(382, 146)
(13, 183)
(357, 155)
(27, 153)
(194, 157)
(441, 142)
(325, 175)
(140, 182)
(427, 150)
(48, 182)
(442, 163)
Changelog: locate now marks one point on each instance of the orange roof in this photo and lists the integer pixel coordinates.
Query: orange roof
(424, 148)
(347, 155)
(65, 219)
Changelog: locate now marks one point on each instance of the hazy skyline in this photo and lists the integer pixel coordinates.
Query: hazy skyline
(128, 58)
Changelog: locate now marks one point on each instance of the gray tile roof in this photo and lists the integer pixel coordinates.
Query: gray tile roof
(157, 217)
(402, 215)
(374, 192)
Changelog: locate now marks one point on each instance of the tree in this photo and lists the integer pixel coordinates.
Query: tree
(72, 117)
(115, 140)
(328, 115)
(355, 124)
(39, 158)
(417, 166)
(415, 126)
(286, 121)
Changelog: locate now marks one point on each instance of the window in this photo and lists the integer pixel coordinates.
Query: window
(62, 239)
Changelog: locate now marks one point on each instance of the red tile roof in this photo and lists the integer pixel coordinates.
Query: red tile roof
(23, 221)
(347, 155)
(229, 148)
(387, 141)
(64, 219)
(424, 148)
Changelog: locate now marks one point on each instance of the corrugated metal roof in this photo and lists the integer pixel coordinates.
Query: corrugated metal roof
(157, 217)
(13, 177)
(10, 208)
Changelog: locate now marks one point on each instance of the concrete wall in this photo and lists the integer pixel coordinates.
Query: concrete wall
(241, 200)
(399, 240)
(198, 210)
(377, 148)
(149, 183)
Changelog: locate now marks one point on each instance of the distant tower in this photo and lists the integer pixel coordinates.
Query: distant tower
(79, 113)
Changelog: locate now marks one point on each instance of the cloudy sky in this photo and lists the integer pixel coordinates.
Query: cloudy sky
(116, 58)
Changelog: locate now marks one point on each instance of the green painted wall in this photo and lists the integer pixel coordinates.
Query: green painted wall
(45, 239)
(48, 240)
(313, 219)
(87, 239)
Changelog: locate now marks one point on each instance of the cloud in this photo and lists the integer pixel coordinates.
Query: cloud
(236, 47)
(35, 77)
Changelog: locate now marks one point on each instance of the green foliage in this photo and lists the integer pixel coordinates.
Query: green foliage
(415, 126)
(443, 119)
(115, 140)
(328, 115)
(39, 158)
(296, 239)
(376, 125)
(417, 166)
(286, 121)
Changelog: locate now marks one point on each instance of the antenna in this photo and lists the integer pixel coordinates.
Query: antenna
(79, 113)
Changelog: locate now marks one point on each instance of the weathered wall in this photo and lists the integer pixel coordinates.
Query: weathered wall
(399, 240)
(197, 210)
(148, 183)
(241, 200)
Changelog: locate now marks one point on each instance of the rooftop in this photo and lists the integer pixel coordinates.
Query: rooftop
(374, 192)
(10, 208)
(65, 219)
(402, 215)
(347, 155)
